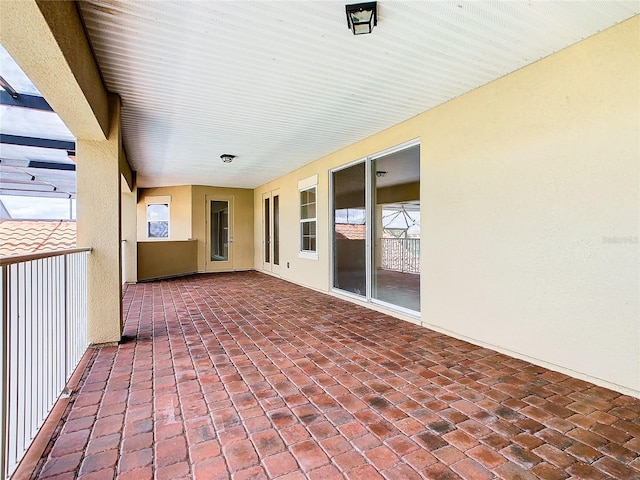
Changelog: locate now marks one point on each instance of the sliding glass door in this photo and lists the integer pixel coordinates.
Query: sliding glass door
(350, 230)
(376, 228)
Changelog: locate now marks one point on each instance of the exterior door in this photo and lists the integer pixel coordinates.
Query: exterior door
(376, 228)
(271, 232)
(219, 225)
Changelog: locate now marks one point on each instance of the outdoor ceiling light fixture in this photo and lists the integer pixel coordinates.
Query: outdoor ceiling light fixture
(381, 173)
(227, 158)
(362, 17)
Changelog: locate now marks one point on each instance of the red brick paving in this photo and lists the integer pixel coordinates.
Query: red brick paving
(244, 376)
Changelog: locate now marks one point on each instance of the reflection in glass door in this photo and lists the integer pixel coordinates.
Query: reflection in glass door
(219, 229)
(271, 231)
(395, 216)
(376, 228)
(350, 230)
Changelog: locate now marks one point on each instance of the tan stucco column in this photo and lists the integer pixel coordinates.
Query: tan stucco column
(99, 217)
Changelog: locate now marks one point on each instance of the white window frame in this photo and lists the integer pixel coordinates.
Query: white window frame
(310, 183)
(157, 200)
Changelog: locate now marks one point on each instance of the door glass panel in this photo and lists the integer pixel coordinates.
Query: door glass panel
(276, 230)
(350, 229)
(396, 229)
(219, 231)
(267, 232)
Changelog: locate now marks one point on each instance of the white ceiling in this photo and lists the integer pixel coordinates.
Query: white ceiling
(282, 83)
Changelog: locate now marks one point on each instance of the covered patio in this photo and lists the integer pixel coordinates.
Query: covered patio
(243, 375)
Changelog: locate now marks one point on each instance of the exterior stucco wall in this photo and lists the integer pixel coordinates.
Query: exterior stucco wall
(166, 259)
(530, 211)
(187, 219)
(179, 211)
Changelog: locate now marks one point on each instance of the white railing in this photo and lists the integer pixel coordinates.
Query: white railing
(44, 336)
(401, 254)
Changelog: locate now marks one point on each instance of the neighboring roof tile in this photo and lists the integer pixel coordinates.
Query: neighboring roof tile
(350, 231)
(20, 237)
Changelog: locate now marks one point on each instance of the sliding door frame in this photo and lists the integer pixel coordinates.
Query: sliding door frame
(369, 233)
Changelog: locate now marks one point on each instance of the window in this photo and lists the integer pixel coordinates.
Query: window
(308, 220)
(157, 219)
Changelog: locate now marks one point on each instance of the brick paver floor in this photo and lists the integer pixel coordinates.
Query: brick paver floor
(245, 376)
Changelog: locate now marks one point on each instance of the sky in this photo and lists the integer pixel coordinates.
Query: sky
(39, 208)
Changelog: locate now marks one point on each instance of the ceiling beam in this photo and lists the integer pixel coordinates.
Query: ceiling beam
(44, 164)
(48, 41)
(24, 101)
(21, 192)
(37, 142)
(52, 165)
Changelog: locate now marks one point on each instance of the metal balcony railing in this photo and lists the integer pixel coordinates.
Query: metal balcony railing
(44, 336)
(401, 254)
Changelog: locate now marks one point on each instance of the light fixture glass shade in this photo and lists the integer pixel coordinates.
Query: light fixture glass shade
(362, 17)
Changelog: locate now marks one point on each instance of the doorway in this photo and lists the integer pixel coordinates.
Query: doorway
(219, 225)
(271, 232)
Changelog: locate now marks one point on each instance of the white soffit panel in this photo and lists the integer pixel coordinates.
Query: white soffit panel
(280, 84)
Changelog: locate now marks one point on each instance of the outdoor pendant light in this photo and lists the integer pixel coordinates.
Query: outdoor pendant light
(362, 17)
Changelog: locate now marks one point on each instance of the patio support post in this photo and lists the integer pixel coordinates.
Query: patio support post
(99, 225)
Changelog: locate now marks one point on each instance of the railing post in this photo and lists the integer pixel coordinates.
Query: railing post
(4, 345)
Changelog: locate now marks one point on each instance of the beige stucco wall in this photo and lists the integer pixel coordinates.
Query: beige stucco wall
(187, 219)
(179, 211)
(166, 259)
(242, 255)
(530, 211)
